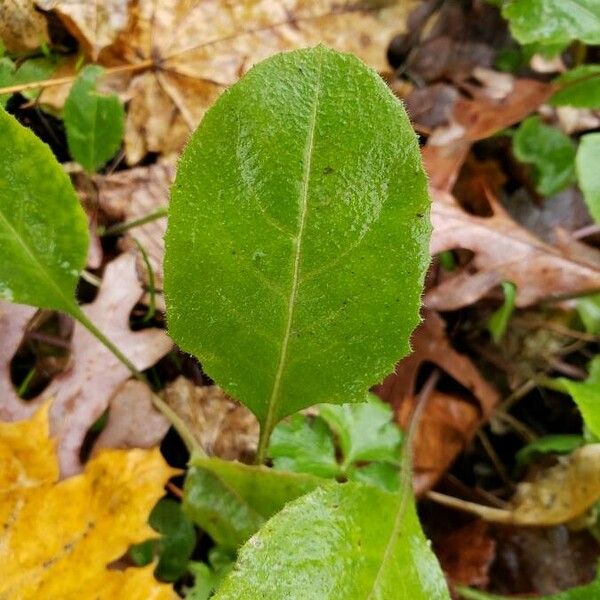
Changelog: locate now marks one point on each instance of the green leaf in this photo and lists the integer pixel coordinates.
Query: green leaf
(366, 431)
(43, 229)
(588, 308)
(579, 87)
(208, 577)
(304, 446)
(551, 152)
(7, 75)
(342, 542)
(553, 21)
(94, 121)
(177, 541)
(380, 474)
(298, 235)
(34, 69)
(548, 444)
(588, 174)
(231, 501)
(586, 394)
(584, 592)
(498, 321)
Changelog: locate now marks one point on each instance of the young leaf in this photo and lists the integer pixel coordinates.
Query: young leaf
(588, 173)
(586, 394)
(298, 235)
(231, 501)
(554, 21)
(498, 321)
(94, 121)
(579, 87)
(43, 229)
(550, 151)
(208, 577)
(343, 541)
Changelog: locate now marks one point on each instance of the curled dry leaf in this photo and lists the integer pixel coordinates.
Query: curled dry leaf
(505, 251)
(222, 427)
(558, 494)
(95, 24)
(57, 538)
(133, 422)
(135, 193)
(21, 26)
(82, 393)
(448, 422)
(187, 53)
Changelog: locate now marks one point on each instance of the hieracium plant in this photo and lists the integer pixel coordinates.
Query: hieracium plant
(295, 256)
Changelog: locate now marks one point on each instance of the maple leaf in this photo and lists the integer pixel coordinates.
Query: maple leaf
(505, 251)
(175, 57)
(449, 422)
(83, 391)
(58, 537)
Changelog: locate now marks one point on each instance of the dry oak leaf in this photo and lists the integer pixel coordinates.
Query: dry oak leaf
(222, 426)
(133, 194)
(57, 538)
(82, 393)
(187, 52)
(95, 23)
(505, 251)
(21, 26)
(448, 422)
(558, 494)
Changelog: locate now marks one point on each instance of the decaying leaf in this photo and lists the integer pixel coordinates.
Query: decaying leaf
(95, 24)
(504, 251)
(133, 422)
(558, 494)
(13, 320)
(82, 393)
(58, 537)
(21, 26)
(449, 422)
(136, 193)
(223, 427)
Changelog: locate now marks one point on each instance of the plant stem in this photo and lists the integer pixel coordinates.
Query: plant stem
(181, 428)
(263, 444)
(127, 225)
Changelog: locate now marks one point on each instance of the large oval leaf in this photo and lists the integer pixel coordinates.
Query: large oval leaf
(341, 542)
(43, 229)
(298, 235)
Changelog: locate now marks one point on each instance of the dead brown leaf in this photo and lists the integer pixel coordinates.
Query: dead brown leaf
(504, 251)
(95, 24)
(133, 422)
(222, 427)
(21, 26)
(449, 422)
(82, 393)
(185, 53)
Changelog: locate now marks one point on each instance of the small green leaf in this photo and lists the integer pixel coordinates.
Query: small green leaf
(553, 21)
(304, 446)
(230, 500)
(498, 321)
(590, 591)
(580, 87)
(551, 152)
(588, 308)
(366, 431)
(177, 541)
(208, 577)
(94, 121)
(548, 444)
(586, 394)
(341, 542)
(7, 76)
(33, 69)
(380, 474)
(43, 229)
(298, 235)
(588, 173)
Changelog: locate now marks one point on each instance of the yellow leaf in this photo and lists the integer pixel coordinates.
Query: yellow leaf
(58, 537)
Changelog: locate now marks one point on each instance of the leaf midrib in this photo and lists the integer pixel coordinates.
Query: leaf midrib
(275, 398)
